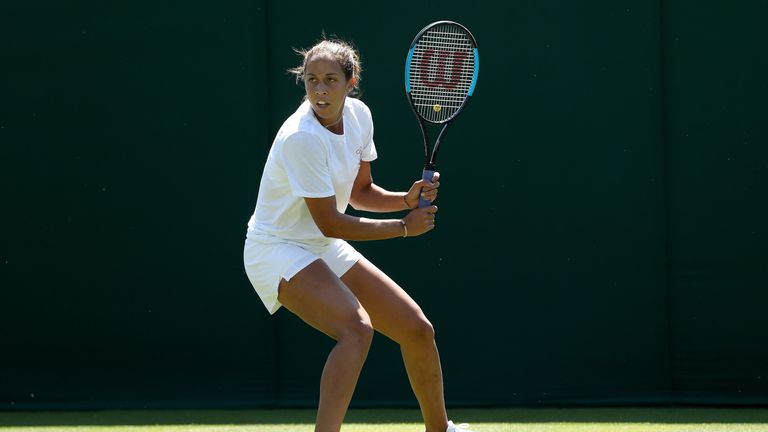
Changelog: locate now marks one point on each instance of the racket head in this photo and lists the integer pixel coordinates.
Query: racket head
(441, 71)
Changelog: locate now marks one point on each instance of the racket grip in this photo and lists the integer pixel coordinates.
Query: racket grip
(426, 175)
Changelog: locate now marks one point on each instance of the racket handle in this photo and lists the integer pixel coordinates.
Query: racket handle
(426, 175)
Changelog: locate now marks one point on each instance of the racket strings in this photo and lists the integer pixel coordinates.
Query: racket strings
(441, 72)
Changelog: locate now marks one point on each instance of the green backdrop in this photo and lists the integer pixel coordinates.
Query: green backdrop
(603, 230)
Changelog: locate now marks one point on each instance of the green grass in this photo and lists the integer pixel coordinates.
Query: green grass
(388, 420)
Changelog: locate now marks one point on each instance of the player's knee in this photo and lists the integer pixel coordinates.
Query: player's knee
(359, 331)
(422, 331)
(426, 330)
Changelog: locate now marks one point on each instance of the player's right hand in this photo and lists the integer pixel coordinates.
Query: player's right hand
(420, 220)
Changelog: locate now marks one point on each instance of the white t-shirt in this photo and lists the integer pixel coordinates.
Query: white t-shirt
(308, 160)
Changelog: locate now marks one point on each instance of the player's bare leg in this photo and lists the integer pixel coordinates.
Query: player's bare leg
(395, 314)
(319, 298)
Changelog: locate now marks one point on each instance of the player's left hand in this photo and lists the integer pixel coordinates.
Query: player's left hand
(423, 188)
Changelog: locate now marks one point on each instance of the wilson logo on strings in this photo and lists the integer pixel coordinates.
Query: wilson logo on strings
(440, 76)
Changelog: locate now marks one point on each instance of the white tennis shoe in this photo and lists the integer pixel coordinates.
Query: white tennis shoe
(462, 427)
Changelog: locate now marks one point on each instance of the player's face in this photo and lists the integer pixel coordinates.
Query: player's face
(326, 88)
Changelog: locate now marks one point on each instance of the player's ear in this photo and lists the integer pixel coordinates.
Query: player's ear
(351, 84)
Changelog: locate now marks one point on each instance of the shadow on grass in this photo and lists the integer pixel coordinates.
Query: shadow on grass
(305, 416)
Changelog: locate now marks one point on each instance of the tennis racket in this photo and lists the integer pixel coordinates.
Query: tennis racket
(440, 76)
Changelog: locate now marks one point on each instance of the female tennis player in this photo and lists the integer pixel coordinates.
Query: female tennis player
(295, 250)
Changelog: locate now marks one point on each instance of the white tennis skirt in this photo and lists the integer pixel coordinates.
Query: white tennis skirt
(266, 263)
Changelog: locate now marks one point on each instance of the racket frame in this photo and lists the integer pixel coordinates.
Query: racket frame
(430, 156)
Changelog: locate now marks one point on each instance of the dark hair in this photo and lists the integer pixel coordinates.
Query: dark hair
(340, 51)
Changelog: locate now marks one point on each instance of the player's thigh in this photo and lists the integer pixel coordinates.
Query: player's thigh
(317, 296)
(393, 312)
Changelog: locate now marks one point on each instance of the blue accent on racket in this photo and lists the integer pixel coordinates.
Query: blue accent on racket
(474, 75)
(408, 70)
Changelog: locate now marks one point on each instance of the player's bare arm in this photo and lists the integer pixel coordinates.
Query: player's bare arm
(339, 225)
(368, 196)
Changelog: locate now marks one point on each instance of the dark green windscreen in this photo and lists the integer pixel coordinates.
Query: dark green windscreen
(602, 235)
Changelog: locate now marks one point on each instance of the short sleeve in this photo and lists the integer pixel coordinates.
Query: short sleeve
(305, 160)
(369, 148)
